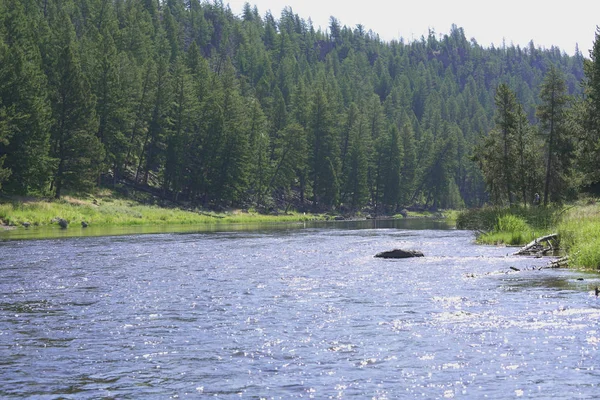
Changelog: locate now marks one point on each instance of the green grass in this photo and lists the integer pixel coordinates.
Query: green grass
(511, 226)
(578, 227)
(443, 214)
(121, 212)
(486, 218)
(511, 230)
(579, 232)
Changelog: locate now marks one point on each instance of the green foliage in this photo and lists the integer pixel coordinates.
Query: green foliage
(509, 155)
(216, 110)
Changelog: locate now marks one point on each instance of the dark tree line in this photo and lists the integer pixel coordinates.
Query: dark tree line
(215, 109)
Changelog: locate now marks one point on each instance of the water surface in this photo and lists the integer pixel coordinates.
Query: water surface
(292, 312)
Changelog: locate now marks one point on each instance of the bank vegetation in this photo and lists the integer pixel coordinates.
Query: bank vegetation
(577, 226)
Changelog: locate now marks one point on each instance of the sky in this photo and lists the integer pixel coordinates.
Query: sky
(546, 22)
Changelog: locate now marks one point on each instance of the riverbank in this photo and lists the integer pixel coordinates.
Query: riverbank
(577, 225)
(106, 209)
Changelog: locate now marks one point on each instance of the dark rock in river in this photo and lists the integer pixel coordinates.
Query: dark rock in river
(84, 224)
(398, 253)
(63, 223)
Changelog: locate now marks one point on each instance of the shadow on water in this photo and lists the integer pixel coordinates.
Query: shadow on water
(55, 232)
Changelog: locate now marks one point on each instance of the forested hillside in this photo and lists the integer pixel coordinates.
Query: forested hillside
(214, 109)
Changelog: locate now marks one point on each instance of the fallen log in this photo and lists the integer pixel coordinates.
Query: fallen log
(562, 262)
(537, 248)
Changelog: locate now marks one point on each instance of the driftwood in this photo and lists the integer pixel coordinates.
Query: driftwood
(539, 247)
(562, 262)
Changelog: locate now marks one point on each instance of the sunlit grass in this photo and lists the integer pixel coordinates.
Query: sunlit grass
(511, 226)
(445, 214)
(121, 212)
(579, 233)
(578, 227)
(511, 230)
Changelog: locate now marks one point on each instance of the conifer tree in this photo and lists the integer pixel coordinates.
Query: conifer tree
(24, 145)
(4, 137)
(391, 169)
(75, 145)
(258, 142)
(179, 128)
(233, 151)
(559, 144)
(587, 117)
(409, 163)
(324, 152)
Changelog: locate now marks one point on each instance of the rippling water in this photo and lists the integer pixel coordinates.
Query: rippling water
(292, 313)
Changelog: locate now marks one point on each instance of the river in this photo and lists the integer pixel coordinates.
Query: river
(300, 311)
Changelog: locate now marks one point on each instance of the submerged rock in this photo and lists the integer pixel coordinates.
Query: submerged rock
(399, 253)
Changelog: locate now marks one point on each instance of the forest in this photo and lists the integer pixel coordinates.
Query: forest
(210, 109)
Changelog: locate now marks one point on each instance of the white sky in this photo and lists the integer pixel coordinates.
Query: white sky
(546, 22)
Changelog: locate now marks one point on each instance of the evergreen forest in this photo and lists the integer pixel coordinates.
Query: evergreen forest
(211, 109)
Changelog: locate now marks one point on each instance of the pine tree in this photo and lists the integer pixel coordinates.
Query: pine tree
(151, 157)
(391, 169)
(355, 167)
(178, 131)
(23, 96)
(232, 171)
(74, 143)
(559, 145)
(259, 168)
(4, 137)
(587, 118)
(324, 153)
(409, 163)
(497, 153)
(290, 161)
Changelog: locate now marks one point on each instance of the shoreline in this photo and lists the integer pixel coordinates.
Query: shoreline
(107, 210)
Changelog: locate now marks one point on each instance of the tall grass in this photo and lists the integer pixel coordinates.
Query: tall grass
(578, 227)
(579, 233)
(511, 226)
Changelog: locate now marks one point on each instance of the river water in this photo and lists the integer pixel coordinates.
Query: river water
(293, 312)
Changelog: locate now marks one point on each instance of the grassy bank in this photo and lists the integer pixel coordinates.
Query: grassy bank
(579, 231)
(510, 226)
(578, 226)
(105, 209)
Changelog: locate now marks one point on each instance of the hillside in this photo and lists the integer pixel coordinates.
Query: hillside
(215, 110)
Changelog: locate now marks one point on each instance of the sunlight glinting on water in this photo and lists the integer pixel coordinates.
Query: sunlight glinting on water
(292, 313)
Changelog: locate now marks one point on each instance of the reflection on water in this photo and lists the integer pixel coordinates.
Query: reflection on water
(290, 312)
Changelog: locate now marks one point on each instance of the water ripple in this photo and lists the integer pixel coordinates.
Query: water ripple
(290, 314)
